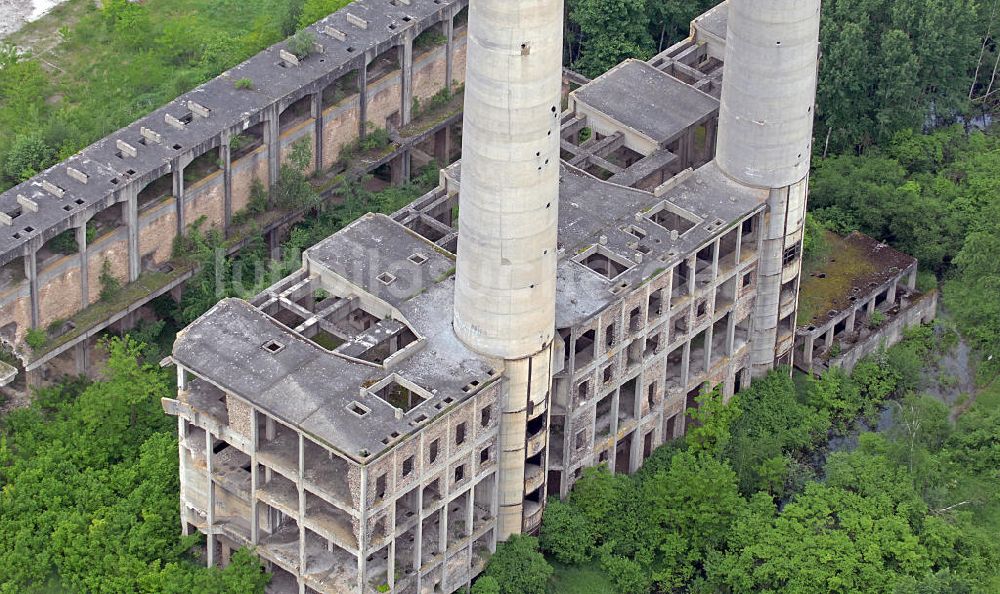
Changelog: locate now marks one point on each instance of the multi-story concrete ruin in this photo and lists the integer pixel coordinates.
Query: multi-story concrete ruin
(123, 200)
(379, 420)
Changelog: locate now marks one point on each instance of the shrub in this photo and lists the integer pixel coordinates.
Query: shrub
(243, 84)
(302, 44)
(877, 319)
(36, 338)
(110, 286)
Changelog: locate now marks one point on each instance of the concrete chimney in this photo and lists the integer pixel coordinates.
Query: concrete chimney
(506, 270)
(765, 141)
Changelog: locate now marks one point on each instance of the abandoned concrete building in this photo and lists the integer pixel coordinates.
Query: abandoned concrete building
(379, 420)
(117, 205)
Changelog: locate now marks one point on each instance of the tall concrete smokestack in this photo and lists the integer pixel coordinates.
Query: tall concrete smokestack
(506, 270)
(765, 141)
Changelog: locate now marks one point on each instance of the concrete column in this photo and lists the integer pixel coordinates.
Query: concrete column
(131, 206)
(210, 512)
(302, 511)
(711, 136)
(273, 244)
(851, 320)
(829, 337)
(31, 273)
(890, 296)
(182, 435)
(449, 65)
(363, 100)
(179, 199)
(686, 366)
(731, 334)
(739, 249)
(363, 541)
(442, 146)
(692, 274)
(226, 156)
(765, 135)
(406, 79)
(807, 355)
(81, 356)
(254, 478)
(272, 138)
(317, 114)
(709, 336)
(715, 259)
(82, 251)
(400, 169)
(870, 307)
(911, 279)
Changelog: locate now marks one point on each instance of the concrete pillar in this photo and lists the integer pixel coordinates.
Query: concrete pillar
(686, 366)
(709, 336)
(406, 79)
(226, 157)
(506, 270)
(442, 146)
(179, 199)
(851, 320)
(399, 169)
(272, 138)
(731, 334)
(273, 244)
(807, 356)
(765, 134)
(302, 511)
(182, 436)
(254, 478)
(890, 296)
(363, 100)
(317, 114)
(829, 337)
(911, 279)
(82, 251)
(131, 207)
(81, 356)
(449, 65)
(31, 274)
(210, 512)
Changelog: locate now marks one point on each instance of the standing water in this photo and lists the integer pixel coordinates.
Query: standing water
(15, 13)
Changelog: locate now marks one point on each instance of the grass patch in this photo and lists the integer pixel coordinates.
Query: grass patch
(827, 279)
(580, 580)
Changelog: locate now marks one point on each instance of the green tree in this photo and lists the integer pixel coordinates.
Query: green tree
(566, 534)
(486, 585)
(27, 156)
(607, 32)
(924, 54)
(518, 567)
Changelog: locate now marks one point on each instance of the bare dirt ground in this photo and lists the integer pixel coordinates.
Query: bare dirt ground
(14, 14)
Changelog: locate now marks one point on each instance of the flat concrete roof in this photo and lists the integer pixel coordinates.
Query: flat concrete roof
(309, 387)
(850, 268)
(647, 100)
(714, 21)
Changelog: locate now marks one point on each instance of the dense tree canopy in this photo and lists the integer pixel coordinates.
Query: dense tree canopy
(88, 491)
(759, 512)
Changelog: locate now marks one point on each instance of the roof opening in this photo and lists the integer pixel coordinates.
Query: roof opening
(272, 346)
(358, 409)
(672, 218)
(603, 262)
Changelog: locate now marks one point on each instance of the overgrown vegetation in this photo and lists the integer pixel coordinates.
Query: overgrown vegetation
(744, 503)
(88, 491)
(117, 63)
